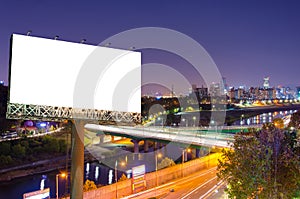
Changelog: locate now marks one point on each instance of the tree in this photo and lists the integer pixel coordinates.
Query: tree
(166, 162)
(123, 177)
(295, 120)
(89, 185)
(5, 148)
(243, 176)
(18, 151)
(284, 170)
(62, 146)
(278, 122)
(262, 164)
(51, 144)
(5, 160)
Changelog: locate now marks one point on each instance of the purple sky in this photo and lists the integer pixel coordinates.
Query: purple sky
(247, 39)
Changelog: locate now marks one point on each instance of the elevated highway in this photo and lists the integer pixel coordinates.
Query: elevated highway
(212, 136)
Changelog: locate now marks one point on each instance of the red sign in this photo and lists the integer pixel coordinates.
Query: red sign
(138, 178)
(40, 194)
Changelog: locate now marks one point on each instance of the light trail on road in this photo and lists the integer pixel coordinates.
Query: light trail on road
(182, 187)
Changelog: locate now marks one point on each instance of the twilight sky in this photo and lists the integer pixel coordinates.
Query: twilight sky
(247, 39)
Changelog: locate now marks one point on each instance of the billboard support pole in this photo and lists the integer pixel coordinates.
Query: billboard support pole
(77, 159)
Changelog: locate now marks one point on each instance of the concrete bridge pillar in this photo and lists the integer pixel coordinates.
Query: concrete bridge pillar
(202, 152)
(101, 138)
(135, 145)
(155, 145)
(197, 153)
(146, 145)
(112, 138)
(160, 145)
(165, 149)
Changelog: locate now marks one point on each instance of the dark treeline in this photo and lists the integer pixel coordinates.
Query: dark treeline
(25, 150)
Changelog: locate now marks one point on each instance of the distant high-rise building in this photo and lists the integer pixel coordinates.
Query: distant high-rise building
(266, 84)
(298, 92)
(200, 93)
(194, 87)
(215, 89)
(231, 93)
(224, 84)
(3, 100)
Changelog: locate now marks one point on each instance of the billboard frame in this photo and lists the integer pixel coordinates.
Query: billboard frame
(78, 117)
(40, 112)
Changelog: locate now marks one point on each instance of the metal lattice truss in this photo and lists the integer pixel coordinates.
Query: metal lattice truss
(39, 112)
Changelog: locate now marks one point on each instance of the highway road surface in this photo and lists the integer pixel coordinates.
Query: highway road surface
(201, 185)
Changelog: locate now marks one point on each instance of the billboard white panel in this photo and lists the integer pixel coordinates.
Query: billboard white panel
(64, 74)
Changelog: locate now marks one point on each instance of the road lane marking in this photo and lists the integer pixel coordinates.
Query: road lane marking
(209, 192)
(185, 179)
(199, 187)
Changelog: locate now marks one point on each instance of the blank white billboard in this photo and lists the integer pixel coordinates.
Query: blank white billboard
(64, 74)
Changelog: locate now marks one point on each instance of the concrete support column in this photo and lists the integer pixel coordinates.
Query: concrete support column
(135, 145)
(101, 138)
(160, 145)
(77, 160)
(165, 149)
(155, 144)
(112, 138)
(197, 153)
(146, 145)
(201, 152)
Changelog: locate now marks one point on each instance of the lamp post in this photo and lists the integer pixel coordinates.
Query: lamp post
(57, 175)
(209, 150)
(157, 155)
(242, 116)
(162, 121)
(186, 121)
(184, 151)
(208, 157)
(157, 121)
(194, 118)
(116, 175)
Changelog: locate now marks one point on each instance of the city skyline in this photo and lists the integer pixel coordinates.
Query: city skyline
(157, 90)
(247, 40)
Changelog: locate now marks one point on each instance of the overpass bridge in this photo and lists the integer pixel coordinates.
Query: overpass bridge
(198, 136)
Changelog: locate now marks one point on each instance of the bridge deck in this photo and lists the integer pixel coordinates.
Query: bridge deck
(214, 136)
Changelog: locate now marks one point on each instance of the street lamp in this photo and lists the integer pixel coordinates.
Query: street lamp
(157, 155)
(162, 120)
(57, 175)
(184, 151)
(209, 150)
(242, 116)
(186, 121)
(116, 175)
(194, 118)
